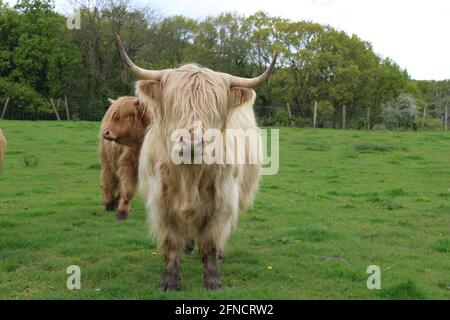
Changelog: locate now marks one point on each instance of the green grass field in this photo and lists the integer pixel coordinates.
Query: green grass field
(343, 200)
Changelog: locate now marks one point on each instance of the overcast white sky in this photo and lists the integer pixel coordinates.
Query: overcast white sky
(415, 33)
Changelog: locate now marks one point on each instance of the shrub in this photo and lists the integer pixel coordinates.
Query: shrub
(328, 125)
(302, 122)
(325, 111)
(282, 118)
(23, 99)
(379, 126)
(266, 121)
(356, 123)
(400, 113)
(431, 124)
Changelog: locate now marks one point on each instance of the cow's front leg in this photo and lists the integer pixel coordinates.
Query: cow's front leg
(127, 192)
(211, 275)
(213, 235)
(171, 277)
(124, 208)
(108, 183)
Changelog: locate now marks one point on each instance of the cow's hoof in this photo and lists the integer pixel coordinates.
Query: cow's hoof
(111, 206)
(212, 283)
(121, 216)
(189, 247)
(169, 284)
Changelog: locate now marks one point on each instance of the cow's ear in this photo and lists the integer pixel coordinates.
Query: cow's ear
(240, 96)
(148, 91)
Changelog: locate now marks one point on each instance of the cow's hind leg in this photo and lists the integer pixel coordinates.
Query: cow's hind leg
(189, 246)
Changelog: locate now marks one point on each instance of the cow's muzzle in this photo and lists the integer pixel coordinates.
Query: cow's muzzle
(108, 135)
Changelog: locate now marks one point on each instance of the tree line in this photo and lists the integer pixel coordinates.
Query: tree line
(40, 58)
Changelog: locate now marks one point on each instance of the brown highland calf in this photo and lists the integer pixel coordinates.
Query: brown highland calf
(2, 147)
(121, 134)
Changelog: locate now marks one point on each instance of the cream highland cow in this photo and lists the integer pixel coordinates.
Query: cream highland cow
(195, 199)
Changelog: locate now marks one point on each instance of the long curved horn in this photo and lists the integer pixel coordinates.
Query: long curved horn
(254, 82)
(139, 72)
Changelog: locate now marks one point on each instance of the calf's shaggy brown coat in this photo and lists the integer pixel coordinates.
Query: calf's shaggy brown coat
(121, 134)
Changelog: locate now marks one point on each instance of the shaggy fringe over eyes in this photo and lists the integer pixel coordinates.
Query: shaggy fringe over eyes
(192, 93)
(193, 86)
(188, 94)
(126, 107)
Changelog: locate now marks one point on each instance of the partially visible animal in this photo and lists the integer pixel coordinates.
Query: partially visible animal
(195, 200)
(121, 134)
(2, 147)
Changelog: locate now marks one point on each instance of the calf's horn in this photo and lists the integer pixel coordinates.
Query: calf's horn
(142, 74)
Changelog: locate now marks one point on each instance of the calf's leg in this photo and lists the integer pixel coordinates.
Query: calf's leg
(108, 187)
(127, 192)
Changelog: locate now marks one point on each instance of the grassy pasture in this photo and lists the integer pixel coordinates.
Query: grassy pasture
(343, 200)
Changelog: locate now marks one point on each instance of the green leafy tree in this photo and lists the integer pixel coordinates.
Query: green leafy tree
(317, 62)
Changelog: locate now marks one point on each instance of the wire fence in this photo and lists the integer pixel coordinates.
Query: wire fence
(65, 108)
(55, 109)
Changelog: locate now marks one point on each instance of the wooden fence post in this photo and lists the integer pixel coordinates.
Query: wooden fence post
(446, 118)
(344, 114)
(289, 113)
(58, 104)
(54, 109)
(67, 108)
(4, 108)
(424, 117)
(315, 115)
(368, 119)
